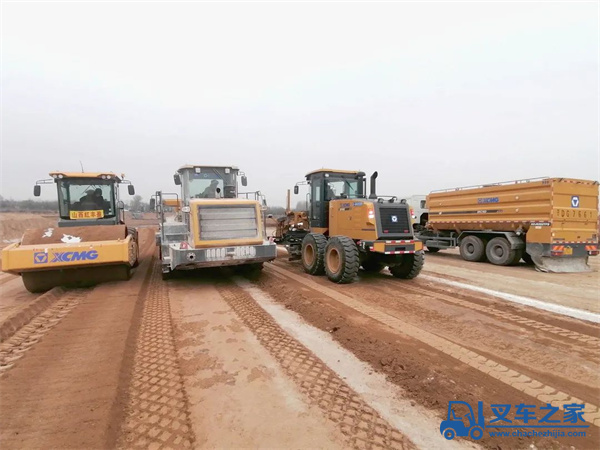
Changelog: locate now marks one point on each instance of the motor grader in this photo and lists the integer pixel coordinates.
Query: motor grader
(91, 243)
(213, 226)
(344, 230)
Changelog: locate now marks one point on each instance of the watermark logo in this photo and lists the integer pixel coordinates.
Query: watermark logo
(524, 420)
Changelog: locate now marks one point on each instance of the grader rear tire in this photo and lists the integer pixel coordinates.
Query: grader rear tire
(410, 267)
(313, 251)
(341, 260)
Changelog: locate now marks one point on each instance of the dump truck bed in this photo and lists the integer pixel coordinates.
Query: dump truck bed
(558, 216)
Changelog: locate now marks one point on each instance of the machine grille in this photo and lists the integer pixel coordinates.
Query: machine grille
(394, 221)
(227, 222)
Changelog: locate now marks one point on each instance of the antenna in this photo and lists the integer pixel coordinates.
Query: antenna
(81, 164)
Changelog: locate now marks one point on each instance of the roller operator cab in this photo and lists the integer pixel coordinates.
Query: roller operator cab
(91, 243)
(212, 223)
(348, 230)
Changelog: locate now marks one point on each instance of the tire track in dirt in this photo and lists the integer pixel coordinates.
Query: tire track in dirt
(361, 424)
(157, 413)
(14, 348)
(490, 310)
(519, 381)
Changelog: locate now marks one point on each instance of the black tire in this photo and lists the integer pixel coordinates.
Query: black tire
(518, 255)
(410, 266)
(433, 249)
(167, 275)
(341, 259)
(498, 252)
(472, 248)
(313, 252)
(371, 265)
(527, 258)
(36, 282)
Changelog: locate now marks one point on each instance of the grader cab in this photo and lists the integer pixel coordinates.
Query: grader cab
(214, 227)
(91, 243)
(347, 230)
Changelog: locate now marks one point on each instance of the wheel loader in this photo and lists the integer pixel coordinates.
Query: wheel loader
(91, 243)
(344, 229)
(211, 227)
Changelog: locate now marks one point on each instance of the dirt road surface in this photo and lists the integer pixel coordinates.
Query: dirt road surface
(214, 359)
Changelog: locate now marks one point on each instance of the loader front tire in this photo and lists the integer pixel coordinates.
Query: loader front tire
(313, 252)
(341, 260)
(410, 266)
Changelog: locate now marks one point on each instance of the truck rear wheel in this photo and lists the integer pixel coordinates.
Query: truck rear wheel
(498, 252)
(313, 251)
(341, 259)
(409, 267)
(472, 248)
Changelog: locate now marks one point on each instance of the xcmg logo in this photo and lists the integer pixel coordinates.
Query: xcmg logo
(84, 255)
(75, 256)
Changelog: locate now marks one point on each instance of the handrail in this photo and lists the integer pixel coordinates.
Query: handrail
(501, 183)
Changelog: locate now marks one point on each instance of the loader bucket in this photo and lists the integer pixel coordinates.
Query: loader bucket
(559, 264)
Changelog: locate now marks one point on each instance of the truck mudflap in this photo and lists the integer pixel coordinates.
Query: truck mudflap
(560, 257)
(192, 258)
(398, 247)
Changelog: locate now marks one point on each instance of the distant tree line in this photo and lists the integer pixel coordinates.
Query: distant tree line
(9, 205)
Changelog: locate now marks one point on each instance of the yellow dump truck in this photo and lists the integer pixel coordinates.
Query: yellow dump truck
(91, 243)
(551, 222)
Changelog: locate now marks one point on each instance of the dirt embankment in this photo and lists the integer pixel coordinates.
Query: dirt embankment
(13, 225)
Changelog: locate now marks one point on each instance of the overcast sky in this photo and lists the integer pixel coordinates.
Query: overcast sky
(432, 95)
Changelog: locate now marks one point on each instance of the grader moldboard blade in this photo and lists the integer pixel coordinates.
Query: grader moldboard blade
(84, 272)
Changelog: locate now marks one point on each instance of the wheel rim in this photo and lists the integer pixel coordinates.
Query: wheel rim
(498, 251)
(333, 260)
(470, 248)
(309, 254)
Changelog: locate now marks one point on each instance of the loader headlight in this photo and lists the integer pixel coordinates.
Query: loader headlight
(185, 209)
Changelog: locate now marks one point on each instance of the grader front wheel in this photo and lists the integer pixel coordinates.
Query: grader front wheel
(313, 250)
(341, 259)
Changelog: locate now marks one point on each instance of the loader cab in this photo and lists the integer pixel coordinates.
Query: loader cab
(326, 185)
(87, 198)
(208, 181)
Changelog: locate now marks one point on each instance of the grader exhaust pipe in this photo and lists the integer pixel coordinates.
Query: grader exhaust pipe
(373, 194)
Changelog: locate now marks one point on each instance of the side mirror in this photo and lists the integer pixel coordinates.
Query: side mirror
(37, 190)
(177, 179)
(130, 189)
(152, 204)
(244, 180)
(296, 189)
(264, 202)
